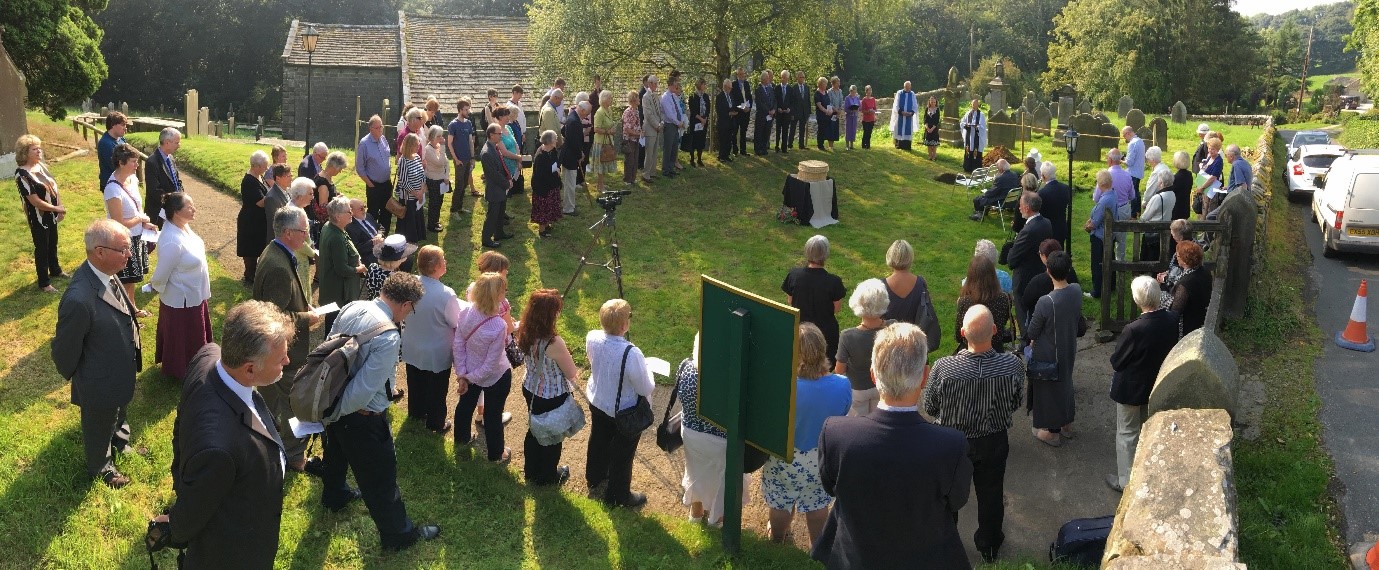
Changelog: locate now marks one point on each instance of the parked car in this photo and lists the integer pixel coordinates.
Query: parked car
(1351, 102)
(1346, 203)
(1307, 163)
(1308, 137)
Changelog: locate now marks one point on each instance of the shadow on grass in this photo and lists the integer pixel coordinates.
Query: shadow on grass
(28, 379)
(37, 504)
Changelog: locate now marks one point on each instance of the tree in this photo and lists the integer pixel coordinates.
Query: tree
(1016, 81)
(1365, 41)
(708, 37)
(55, 45)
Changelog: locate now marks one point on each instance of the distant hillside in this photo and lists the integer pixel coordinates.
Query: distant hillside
(1332, 23)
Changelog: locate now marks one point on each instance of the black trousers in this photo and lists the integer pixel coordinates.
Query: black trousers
(433, 202)
(251, 267)
(801, 128)
(866, 133)
(45, 253)
(493, 220)
(741, 140)
(726, 133)
(375, 197)
(1135, 203)
(462, 170)
(971, 160)
(988, 455)
(103, 430)
(426, 396)
(496, 397)
(1098, 250)
(784, 129)
(761, 136)
(609, 458)
(364, 444)
(541, 461)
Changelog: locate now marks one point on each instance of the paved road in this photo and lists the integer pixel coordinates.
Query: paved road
(1347, 386)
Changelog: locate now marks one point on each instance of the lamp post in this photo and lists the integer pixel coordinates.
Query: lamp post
(1070, 139)
(309, 38)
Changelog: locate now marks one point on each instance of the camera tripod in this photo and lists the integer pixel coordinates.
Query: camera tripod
(607, 224)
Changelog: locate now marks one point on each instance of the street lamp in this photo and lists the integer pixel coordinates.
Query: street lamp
(309, 38)
(1070, 139)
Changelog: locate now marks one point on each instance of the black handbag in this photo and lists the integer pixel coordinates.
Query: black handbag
(634, 420)
(1004, 257)
(515, 356)
(1044, 370)
(668, 436)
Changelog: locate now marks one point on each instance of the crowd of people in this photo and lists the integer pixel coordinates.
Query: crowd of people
(859, 388)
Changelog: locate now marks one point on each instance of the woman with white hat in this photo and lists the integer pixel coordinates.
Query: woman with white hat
(390, 252)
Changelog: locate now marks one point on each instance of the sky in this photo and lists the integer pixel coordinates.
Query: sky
(1252, 7)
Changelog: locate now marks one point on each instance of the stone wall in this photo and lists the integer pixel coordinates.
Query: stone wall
(333, 93)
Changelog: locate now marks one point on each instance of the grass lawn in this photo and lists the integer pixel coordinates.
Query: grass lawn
(1287, 519)
(717, 221)
(1315, 82)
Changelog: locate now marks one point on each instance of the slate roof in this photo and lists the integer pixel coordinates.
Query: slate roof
(452, 56)
(344, 45)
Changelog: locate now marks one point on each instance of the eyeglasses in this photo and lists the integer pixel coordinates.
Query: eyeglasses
(298, 230)
(126, 252)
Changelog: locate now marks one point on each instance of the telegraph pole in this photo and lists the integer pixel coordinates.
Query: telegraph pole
(1306, 62)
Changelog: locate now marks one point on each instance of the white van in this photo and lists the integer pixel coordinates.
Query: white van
(1346, 203)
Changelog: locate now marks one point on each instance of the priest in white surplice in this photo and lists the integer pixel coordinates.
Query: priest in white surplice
(973, 128)
(903, 117)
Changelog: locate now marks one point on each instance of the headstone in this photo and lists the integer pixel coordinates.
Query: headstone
(1158, 132)
(1135, 119)
(1110, 136)
(1031, 100)
(1023, 123)
(193, 102)
(86, 106)
(996, 97)
(231, 121)
(1101, 117)
(1088, 148)
(203, 120)
(124, 108)
(999, 131)
(1179, 113)
(105, 111)
(1043, 120)
(1146, 134)
(1085, 107)
(1066, 111)
(1124, 106)
(948, 126)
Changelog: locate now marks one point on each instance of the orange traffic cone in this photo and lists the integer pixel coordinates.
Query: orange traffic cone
(1355, 336)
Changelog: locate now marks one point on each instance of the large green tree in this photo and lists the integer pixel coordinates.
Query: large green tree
(55, 44)
(1364, 40)
(700, 38)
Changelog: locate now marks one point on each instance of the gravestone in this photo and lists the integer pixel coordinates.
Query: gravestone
(1085, 107)
(105, 111)
(948, 126)
(1043, 120)
(1124, 106)
(192, 102)
(1066, 111)
(1110, 136)
(203, 120)
(996, 98)
(1088, 148)
(1158, 129)
(1179, 113)
(1135, 119)
(1101, 117)
(1023, 119)
(86, 106)
(124, 108)
(1031, 100)
(999, 131)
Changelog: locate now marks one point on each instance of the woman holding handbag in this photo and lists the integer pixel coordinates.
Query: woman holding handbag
(603, 156)
(481, 363)
(551, 373)
(618, 390)
(1053, 331)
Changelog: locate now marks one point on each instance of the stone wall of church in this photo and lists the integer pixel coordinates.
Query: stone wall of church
(333, 101)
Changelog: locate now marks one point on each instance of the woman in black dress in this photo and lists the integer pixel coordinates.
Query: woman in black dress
(324, 193)
(931, 127)
(545, 185)
(1182, 186)
(823, 115)
(817, 293)
(251, 226)
(1192, 292)
(699, 123)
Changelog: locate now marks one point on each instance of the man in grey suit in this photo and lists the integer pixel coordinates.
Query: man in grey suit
(96, 346)
(653, 122)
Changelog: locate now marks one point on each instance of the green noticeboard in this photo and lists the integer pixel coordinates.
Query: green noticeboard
(767, 356)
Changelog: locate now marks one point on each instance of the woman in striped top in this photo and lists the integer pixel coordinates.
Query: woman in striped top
(550, 377)
(411, 189)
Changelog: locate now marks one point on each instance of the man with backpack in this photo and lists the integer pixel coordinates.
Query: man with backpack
(358, 436)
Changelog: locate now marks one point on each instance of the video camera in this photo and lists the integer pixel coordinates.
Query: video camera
(609, 200)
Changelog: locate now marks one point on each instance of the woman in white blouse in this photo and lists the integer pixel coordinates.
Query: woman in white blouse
(183, 283)
(437, 168)
(608, 467)
(124, 204)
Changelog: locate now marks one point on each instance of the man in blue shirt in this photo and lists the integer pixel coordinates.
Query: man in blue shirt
(115, 127)
(1242, 175)
(461, 143)
(358, 436)
(373, 163)
(1134, 164)
(1123, 186)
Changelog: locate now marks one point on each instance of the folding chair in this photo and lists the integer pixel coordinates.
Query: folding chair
(1011, 203)
(977, 181)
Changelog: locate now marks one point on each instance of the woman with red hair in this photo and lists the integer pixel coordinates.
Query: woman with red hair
(551, 373)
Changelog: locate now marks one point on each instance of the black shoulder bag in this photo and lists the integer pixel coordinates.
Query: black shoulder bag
(668, 436)
(634, 420)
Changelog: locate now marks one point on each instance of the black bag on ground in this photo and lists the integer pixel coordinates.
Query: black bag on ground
(1081, 541)
(634, 420)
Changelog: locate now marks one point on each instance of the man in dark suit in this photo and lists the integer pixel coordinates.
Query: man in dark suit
(897, 502)
(1024, 259)
(1140, 351)
(785, 105)
(310, 166)
(725, 130)
(277, 282)
(497, 181)
(800, 112)
(742, 95)
(1000, 188)
(765, 115)
(96, 346)
(277, 195)
(363, 231)
(1055, 196)
(160, 174)
(227, 459)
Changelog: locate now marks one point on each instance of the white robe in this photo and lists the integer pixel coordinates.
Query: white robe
(903, 128)
(979, 124)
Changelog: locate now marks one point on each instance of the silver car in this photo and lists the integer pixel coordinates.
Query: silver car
(1307, 163)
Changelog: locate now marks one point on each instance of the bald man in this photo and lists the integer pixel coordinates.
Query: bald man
(976, 391)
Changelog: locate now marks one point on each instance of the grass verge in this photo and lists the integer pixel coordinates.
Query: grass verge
(1287, 519)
